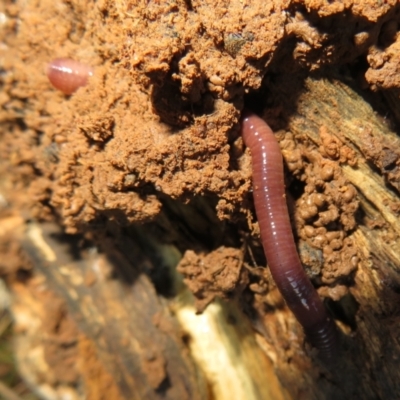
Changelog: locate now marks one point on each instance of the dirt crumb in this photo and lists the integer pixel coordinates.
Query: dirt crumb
(384, 63)
(219, 273)
(325, 210)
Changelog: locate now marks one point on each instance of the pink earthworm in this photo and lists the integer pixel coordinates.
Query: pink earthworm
(277, 237)
(68, 75)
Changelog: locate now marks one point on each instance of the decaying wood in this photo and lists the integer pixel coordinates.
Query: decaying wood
(136, 337)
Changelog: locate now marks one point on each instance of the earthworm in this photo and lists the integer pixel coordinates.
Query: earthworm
(277, 237)
(68, 75)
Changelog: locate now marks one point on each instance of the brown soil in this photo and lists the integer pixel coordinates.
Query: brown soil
(157, 128)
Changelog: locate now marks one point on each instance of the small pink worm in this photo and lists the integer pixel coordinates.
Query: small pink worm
(277, 237)
(68, 75)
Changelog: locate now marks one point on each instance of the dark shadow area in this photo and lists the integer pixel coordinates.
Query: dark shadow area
(344, 310)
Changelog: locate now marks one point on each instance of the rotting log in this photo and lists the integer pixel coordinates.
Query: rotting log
(151, 344)
(135, 338)
(140, 340)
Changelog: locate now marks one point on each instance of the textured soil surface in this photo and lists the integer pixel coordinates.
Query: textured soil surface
(158, 128)
(161, 112)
